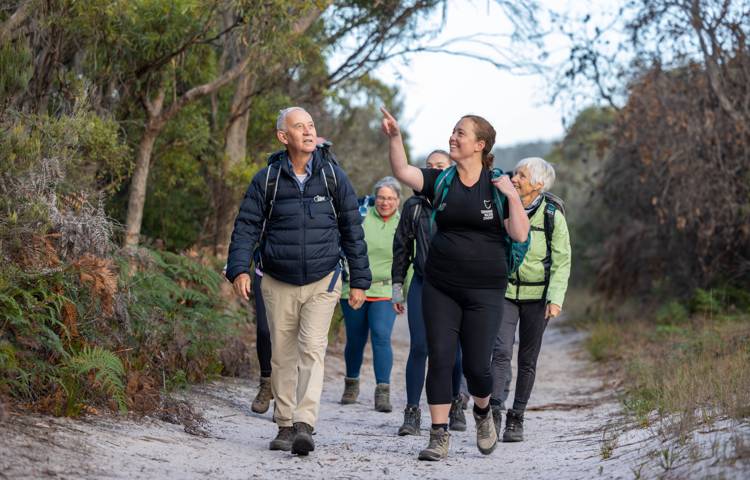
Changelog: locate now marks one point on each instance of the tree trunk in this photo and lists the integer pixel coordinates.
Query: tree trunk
(139, 182)
(227, 197)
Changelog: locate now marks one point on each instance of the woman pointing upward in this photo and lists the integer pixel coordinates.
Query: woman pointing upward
(466, 270)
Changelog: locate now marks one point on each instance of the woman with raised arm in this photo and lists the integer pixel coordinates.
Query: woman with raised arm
(466, 271)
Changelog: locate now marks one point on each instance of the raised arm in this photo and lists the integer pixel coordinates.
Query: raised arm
(405, 173)
(517, 223)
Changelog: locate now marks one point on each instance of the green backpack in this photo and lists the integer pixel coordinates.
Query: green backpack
(514, 251)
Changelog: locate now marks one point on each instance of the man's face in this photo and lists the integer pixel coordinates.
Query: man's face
(299, 134)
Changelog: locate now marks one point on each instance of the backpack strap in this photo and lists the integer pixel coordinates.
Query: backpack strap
(549, 228)
(331, 182)
(442, 185)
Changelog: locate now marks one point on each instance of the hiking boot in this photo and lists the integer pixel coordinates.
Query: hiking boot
(513, 426)
(283, 440)
(497, 416)
(437, 449)
(486, 435)
(351, 391)
(303, 441)
(383, 398)
(456, 417)
(464, 400)
(263, 398)
(412, 421)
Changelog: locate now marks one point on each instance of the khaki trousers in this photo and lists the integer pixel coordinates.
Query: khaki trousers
(299, 318)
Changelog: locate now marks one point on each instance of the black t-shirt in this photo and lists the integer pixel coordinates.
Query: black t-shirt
(467, 250)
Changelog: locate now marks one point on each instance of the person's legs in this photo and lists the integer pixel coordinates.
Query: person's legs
(356, 324)
(502, 353)
(263, 334)
(381, 318)
(415, 364)
(445, 316)
(457, 372)
(482, 317)
(283, 305)
(315, 321)
(530, 332)
(456, 417)
(262, 400)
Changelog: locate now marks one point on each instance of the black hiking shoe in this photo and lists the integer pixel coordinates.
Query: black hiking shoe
(513, 426)
(263, 398)
(283, 440)
(438, 447)
(412, 421)
(456, 416)
(497, 416)
(303, 441)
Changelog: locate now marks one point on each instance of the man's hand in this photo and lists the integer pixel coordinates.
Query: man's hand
(552, 311)
(356, 298)
(399, 308)
(242, 285)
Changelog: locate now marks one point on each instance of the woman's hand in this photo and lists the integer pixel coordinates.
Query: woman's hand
(552, 311)
(505, 186)
(389, 124)
(399, 308)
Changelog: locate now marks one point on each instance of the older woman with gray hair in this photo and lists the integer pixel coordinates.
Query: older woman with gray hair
(376, 317)
(535, 293)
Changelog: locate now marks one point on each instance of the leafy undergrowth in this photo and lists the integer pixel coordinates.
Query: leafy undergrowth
(84, 324)
(115, 332)
(681, 364)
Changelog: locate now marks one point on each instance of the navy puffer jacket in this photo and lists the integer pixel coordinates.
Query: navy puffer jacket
(303, 236)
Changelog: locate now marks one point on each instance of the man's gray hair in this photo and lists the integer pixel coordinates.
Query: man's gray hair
(281, 119)
(389, 182)
(540, 171)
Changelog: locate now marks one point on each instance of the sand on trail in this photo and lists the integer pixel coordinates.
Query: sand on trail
(568, 413)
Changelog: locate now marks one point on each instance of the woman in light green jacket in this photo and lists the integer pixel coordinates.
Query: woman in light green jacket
(376, 317)
(535, 293)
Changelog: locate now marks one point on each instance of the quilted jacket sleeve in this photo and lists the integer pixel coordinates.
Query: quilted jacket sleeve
(352, 234)
(247, 228)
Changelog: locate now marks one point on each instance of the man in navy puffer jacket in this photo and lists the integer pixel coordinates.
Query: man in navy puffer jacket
(299, 255)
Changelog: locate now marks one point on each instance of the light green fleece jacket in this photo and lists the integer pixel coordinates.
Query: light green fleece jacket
(379, 238)
(532, 269)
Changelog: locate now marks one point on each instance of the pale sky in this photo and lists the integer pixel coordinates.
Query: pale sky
(438, 89)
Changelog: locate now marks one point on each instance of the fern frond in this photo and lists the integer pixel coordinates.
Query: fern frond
(109, 371)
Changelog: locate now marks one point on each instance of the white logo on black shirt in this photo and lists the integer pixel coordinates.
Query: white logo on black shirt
(487, 213)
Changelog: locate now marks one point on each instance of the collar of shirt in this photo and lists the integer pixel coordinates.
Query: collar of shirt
(308, 172)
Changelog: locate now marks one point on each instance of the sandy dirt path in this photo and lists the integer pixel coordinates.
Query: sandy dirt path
(563, 438)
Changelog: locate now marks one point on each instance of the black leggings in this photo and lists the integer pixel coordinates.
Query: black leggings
(530, 332)
(471, 316)
(263, 334)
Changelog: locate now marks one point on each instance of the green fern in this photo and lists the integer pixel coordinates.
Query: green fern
(109, 374)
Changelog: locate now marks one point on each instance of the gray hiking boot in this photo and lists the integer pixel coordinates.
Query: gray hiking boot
(303, 442)
(351, 391)
(263, 398)
(513, 426)
(456, 417)
(412, 421)
(486, 434)
(497, 416)
(283, 440)
(437, 449)
(383, 398)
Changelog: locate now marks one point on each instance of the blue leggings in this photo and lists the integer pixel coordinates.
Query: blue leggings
(415, 365)
(376, 319)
